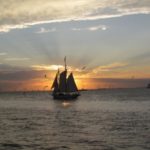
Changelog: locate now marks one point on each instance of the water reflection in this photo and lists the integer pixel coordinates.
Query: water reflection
(66, 127)
(66, 104)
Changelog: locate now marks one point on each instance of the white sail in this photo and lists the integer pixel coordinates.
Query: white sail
(62, 81)
(71, 85)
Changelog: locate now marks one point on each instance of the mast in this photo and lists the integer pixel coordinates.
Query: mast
(65, 60)
(65, 63)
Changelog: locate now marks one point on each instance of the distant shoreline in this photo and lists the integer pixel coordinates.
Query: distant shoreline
(81, 90)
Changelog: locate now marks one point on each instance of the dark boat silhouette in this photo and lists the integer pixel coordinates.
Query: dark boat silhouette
(64, 87)
(148, 86)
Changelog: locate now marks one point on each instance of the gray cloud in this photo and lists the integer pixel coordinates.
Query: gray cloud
(16, 73)
(122, 83)
(3, 53)
(11, 68)
(16, 59)
(21, 14)
(22, 75)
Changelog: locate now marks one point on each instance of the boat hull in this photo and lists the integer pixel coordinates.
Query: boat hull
(148, 86)
(65, 96)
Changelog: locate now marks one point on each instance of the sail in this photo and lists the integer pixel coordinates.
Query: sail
(62, 81)
(55, 84)
(71, 85)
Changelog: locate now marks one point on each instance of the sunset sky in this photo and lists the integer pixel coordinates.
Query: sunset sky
(106, 42)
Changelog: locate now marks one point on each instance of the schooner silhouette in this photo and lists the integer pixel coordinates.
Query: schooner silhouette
(64, 88)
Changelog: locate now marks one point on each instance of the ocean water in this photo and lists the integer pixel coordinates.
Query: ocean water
(116, 119)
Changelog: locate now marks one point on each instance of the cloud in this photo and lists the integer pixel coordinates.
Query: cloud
(47, 67)
(7, 27)
(110, 67)
(92, 28)
(3, 53)
(55, 67)
(17, 59)
(11, 68)
(21, 14)
(119, 83)
(101, 27)
(43, 30)
(21, 78)
(21, 75)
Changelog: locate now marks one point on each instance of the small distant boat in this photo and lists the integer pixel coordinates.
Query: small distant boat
(148, 86)
(64, 88)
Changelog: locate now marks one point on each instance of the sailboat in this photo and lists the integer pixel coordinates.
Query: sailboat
(64, 87)
(148, 86)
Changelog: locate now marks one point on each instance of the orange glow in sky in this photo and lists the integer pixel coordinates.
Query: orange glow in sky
(106, 48)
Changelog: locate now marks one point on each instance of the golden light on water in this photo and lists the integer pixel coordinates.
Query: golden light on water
(66, 104)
